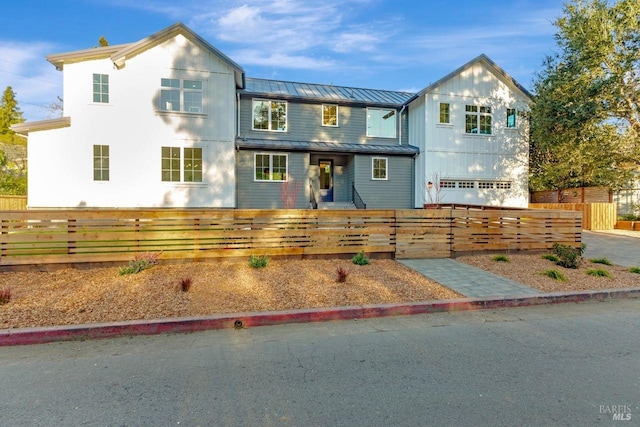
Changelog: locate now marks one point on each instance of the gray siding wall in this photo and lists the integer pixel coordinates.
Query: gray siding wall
(267, 195)
(394, 193)
(341, 179)
(304, 123)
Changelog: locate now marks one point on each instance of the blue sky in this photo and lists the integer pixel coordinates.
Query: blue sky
(381, 44)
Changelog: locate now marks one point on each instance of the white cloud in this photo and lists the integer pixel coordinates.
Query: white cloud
(34, 80)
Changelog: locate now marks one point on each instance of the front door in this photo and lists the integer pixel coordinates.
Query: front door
(326, 180)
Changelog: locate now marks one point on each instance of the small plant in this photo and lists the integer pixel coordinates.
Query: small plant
(551, 257)
(569, 257)
(140, 262)
(256, 261)
(185, 284)
(5, 296)
(342, 274)
(501, 258)
(555, 275)
(361, 259)
(601, 261)
(600, 272)
(635, 270)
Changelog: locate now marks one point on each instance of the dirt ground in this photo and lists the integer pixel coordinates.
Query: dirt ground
(72, 296)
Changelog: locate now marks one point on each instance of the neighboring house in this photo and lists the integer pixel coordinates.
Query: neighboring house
(472, 130)
(170, 121)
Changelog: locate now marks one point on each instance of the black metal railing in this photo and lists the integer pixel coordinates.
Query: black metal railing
(357, 200)
(312, 196)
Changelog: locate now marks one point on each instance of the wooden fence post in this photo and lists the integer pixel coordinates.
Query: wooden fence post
(71, 242)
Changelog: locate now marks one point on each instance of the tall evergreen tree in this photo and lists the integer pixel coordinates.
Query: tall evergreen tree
(9, 112)
(585, 118)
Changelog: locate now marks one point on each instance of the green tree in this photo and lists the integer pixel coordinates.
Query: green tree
(585, 118)
(9, 114)
(102, 41)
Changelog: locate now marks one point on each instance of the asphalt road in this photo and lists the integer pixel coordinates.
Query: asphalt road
(556, 365)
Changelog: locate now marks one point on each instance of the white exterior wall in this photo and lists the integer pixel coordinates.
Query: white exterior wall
(61, 160)
(451, 154)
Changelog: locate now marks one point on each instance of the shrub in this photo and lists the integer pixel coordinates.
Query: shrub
(342, 274)
(551, 257)
(555, 275)
(600, 272)
(601, 261)
(635, 270)
(501, 258)
(185, 284)
(5, 296)
(256, 261)
(140, 262)
(361, 259)
(569, 257)
(630, 217)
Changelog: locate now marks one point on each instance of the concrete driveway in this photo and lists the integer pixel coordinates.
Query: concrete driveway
(620, 248)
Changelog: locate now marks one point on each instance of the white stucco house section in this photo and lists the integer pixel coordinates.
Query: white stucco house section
(131, 124)
(472, 168)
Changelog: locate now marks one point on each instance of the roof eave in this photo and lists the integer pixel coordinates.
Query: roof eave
(59, 59)
(25, 128)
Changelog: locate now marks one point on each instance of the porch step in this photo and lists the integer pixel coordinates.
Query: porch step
(336, 205)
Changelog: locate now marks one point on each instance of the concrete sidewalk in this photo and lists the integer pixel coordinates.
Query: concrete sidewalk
(618, 246)
(467, 280)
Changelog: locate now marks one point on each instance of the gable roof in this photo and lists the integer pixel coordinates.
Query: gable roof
(492, 66)
(322, 92)
(120, 53)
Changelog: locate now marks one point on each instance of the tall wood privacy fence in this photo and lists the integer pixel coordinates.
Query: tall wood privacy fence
(12, 202)
(90, 236)
(595, 216)
(573, 195)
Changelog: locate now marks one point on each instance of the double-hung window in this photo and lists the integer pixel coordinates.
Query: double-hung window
(381, 123)
(270, 167)
(511, 117)
(269, 115)
(180, 163)
(478, 119)
(181, 95)
(101, 88)
(379, 169)
(329, 115)
(101, 163)
(445, 113)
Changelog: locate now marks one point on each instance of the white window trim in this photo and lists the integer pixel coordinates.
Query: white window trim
(478, 114)
(441, 122)
(101, 93)
(253, 116)
(182, 92)
(337, 115)
(286, 155)
(386, 174)
(515, 126)
(395, 123)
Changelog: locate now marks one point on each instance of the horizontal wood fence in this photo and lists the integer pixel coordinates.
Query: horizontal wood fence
(595, 216)
(8, 203)
(92, 236)
(574, 195)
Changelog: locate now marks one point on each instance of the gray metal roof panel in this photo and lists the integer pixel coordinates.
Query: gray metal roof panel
(321, 92)
(333, 147)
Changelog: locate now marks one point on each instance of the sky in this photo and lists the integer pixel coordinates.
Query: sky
(380, 44)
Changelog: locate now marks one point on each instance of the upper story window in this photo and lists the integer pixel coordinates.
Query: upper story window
(379, 168)
(511, 117)
(101, 88)
(329, 115)
(270, 167)
(445, 113)
(478, 119)
(101, 163)
(269, 115)
(381, 123)
(181, 95)
(191, 164)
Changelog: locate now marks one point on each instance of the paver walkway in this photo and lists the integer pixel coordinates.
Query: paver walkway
(467, 280)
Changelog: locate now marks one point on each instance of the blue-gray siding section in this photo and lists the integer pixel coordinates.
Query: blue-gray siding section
(265, 194)
(304, 123)
(394, 193)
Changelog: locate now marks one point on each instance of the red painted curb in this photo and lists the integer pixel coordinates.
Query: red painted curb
(23, 336)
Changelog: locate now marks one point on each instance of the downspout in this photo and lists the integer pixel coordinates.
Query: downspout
(400, 133)
(238, 114)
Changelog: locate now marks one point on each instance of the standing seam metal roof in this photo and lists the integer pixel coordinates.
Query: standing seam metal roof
(324, 92)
